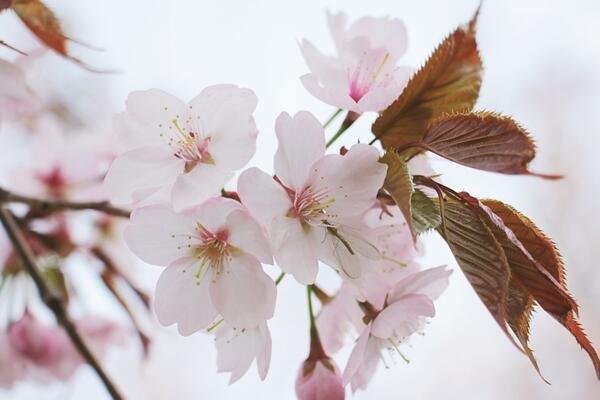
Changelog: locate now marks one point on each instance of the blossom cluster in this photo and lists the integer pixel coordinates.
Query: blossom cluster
(221, 239)
(315, 209)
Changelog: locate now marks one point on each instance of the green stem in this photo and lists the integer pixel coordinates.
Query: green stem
(311, 314)
(332, 118)
(279, 278)
(347, 123)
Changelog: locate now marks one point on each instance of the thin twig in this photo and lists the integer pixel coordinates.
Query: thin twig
(52, 300)
(50, 206)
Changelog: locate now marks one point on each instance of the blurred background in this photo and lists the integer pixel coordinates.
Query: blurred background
(542, 66)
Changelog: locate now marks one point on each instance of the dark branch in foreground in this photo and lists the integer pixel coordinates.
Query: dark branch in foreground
(50, 206)
(51, 299)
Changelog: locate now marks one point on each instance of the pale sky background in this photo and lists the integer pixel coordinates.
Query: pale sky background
(542, 66)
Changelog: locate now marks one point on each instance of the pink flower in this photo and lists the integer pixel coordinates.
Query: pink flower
(312, 209)
(63, 165)
(363, 75)
(12, 368)
(45, 352)
(407, 306)
(16, 99)
(213, 254)
(190, 150)
(238, 347)
(319, 380)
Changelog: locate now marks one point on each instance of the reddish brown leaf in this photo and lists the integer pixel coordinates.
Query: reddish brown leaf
(42, 22)
(545, 253)
(448, 82)
(481, 140)
(519, 309)
(479, 255)
(546, 290)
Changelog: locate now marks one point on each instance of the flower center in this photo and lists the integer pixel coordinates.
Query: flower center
(364, 77)
(212, 250)
(55, 182)
(308, 204)
(189, 145)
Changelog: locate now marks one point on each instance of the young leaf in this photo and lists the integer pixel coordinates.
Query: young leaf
(448, 82)
(42, 22)
(425, 214)
(519, 309)
(481, 140)
(479, 255)
(398, 183)
(543, 250)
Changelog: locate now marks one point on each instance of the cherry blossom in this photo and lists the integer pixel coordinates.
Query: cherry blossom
(363, 75)
(213, 254)
(312, 208)
(44, 352)
(189, 150)
(16, 99)
(407, 307)
(319, 380)
(238, 347)
(63, 165)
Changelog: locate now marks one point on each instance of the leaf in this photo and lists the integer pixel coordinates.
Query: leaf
(519, 309)
(543, 250)
(42, 22)
(479, 255)
(448, 82)
(398, 183)
(482, 140)
(425, 214)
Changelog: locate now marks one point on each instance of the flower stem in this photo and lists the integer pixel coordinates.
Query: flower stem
(374, 140)
(333, 117)
(279, 278)
(347, 123)
(311, 314)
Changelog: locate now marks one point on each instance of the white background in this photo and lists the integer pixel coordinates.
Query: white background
(542, 63)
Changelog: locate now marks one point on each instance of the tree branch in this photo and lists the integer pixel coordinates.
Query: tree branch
(50, 206)
(53, 301)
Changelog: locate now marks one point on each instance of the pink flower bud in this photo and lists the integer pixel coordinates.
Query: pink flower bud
(319, 380)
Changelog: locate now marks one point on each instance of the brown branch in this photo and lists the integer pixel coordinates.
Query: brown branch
(52, 300)
(49, 206)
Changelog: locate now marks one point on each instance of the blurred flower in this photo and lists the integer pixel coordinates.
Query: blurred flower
(238, 347)
(310, 209)
(363, 75)
(16, 99)
(213, 254)
(44, 352)
(190, 149)
(406, 307)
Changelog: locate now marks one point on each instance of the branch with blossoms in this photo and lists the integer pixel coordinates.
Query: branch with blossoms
(360, 211)
(52, 300)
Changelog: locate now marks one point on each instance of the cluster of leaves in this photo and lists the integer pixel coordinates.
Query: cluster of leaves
(512, 265)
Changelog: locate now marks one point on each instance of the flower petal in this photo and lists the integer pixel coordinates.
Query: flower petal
(350, 181)
(140, 172)
(403, 317)
(194, 187)
(295, 249)
(159, 236)
(243, 293)
(265, 198)
(301, 144)
(224, 113)
(430, 282)
(357, 356)
(182, 297)
(246, 235)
